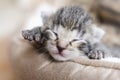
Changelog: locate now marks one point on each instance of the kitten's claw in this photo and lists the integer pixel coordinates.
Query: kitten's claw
(96, 54)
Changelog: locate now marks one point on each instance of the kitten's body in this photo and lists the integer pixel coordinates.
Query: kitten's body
(69, 33)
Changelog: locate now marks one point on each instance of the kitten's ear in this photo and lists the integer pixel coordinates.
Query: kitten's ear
(50, 34)
(98, 33)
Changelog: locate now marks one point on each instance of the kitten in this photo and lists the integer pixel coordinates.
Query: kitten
(69, 33)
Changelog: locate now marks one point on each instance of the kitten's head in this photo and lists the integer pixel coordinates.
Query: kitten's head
(64, 44)
(70, 30)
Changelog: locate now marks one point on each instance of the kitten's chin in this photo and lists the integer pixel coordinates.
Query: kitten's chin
(64, 55)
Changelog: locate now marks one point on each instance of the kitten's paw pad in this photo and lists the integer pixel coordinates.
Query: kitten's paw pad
(96, 54)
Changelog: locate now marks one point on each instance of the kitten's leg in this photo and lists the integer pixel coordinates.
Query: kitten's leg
(98, 51)
(33, 34)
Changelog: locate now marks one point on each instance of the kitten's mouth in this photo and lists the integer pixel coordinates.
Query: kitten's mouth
(60, 53)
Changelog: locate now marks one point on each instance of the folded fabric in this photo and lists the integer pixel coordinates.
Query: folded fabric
(29, 64)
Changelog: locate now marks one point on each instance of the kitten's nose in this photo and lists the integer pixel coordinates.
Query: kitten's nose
(60, 49)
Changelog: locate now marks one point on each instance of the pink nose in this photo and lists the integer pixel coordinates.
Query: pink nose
(62, 45)
(60, 49)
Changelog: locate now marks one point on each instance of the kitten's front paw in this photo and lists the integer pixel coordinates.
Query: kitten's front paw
(31, 36)
(96, 54)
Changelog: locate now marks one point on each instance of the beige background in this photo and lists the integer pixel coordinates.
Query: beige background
(9, 19)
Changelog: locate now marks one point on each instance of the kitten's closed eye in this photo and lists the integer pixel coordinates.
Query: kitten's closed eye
(78, 42)
(74, 40)
(51, 35)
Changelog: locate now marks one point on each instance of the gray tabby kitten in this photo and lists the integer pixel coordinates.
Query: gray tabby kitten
(67, 34)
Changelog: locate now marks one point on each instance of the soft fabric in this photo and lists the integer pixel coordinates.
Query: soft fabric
(29, 64)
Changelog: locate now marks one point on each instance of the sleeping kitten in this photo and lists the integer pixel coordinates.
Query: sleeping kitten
(69, 33)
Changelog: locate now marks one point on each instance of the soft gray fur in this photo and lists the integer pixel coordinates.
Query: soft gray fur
(70, 20)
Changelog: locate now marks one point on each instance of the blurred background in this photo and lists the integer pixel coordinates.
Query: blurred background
(14, 14)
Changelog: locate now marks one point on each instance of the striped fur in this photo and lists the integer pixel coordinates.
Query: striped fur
(68, 33)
